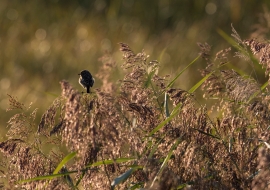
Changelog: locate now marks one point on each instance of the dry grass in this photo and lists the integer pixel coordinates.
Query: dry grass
(127, 128)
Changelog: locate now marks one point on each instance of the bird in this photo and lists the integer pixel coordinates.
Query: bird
(86, 80)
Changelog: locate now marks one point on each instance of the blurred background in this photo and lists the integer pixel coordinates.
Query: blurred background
(45, 41)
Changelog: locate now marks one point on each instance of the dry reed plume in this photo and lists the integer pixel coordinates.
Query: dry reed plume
(126, 130)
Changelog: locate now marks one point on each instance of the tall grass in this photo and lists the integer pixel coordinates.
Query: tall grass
(144, 133)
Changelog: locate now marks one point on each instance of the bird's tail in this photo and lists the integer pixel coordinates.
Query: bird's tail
(88, 90)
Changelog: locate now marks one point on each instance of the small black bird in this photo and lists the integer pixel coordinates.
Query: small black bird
(86, 80)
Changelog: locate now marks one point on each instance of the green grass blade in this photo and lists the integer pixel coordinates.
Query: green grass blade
(149, 78)
(123, 177)
(179, 74)
(208, 134)
(166, 106)
(107, 162)
(181, 186)
(173, 114)
(67, 158)
(264, 86)
(196, 86)
(231, 41)
(155, 147)
(55, 173)
(64, 161)
(47, 177)
(228, 38)
(164, 164)
(177, 107)
(256, 93)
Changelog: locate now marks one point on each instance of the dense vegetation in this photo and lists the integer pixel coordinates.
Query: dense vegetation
(204, 125)
(130, 135)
